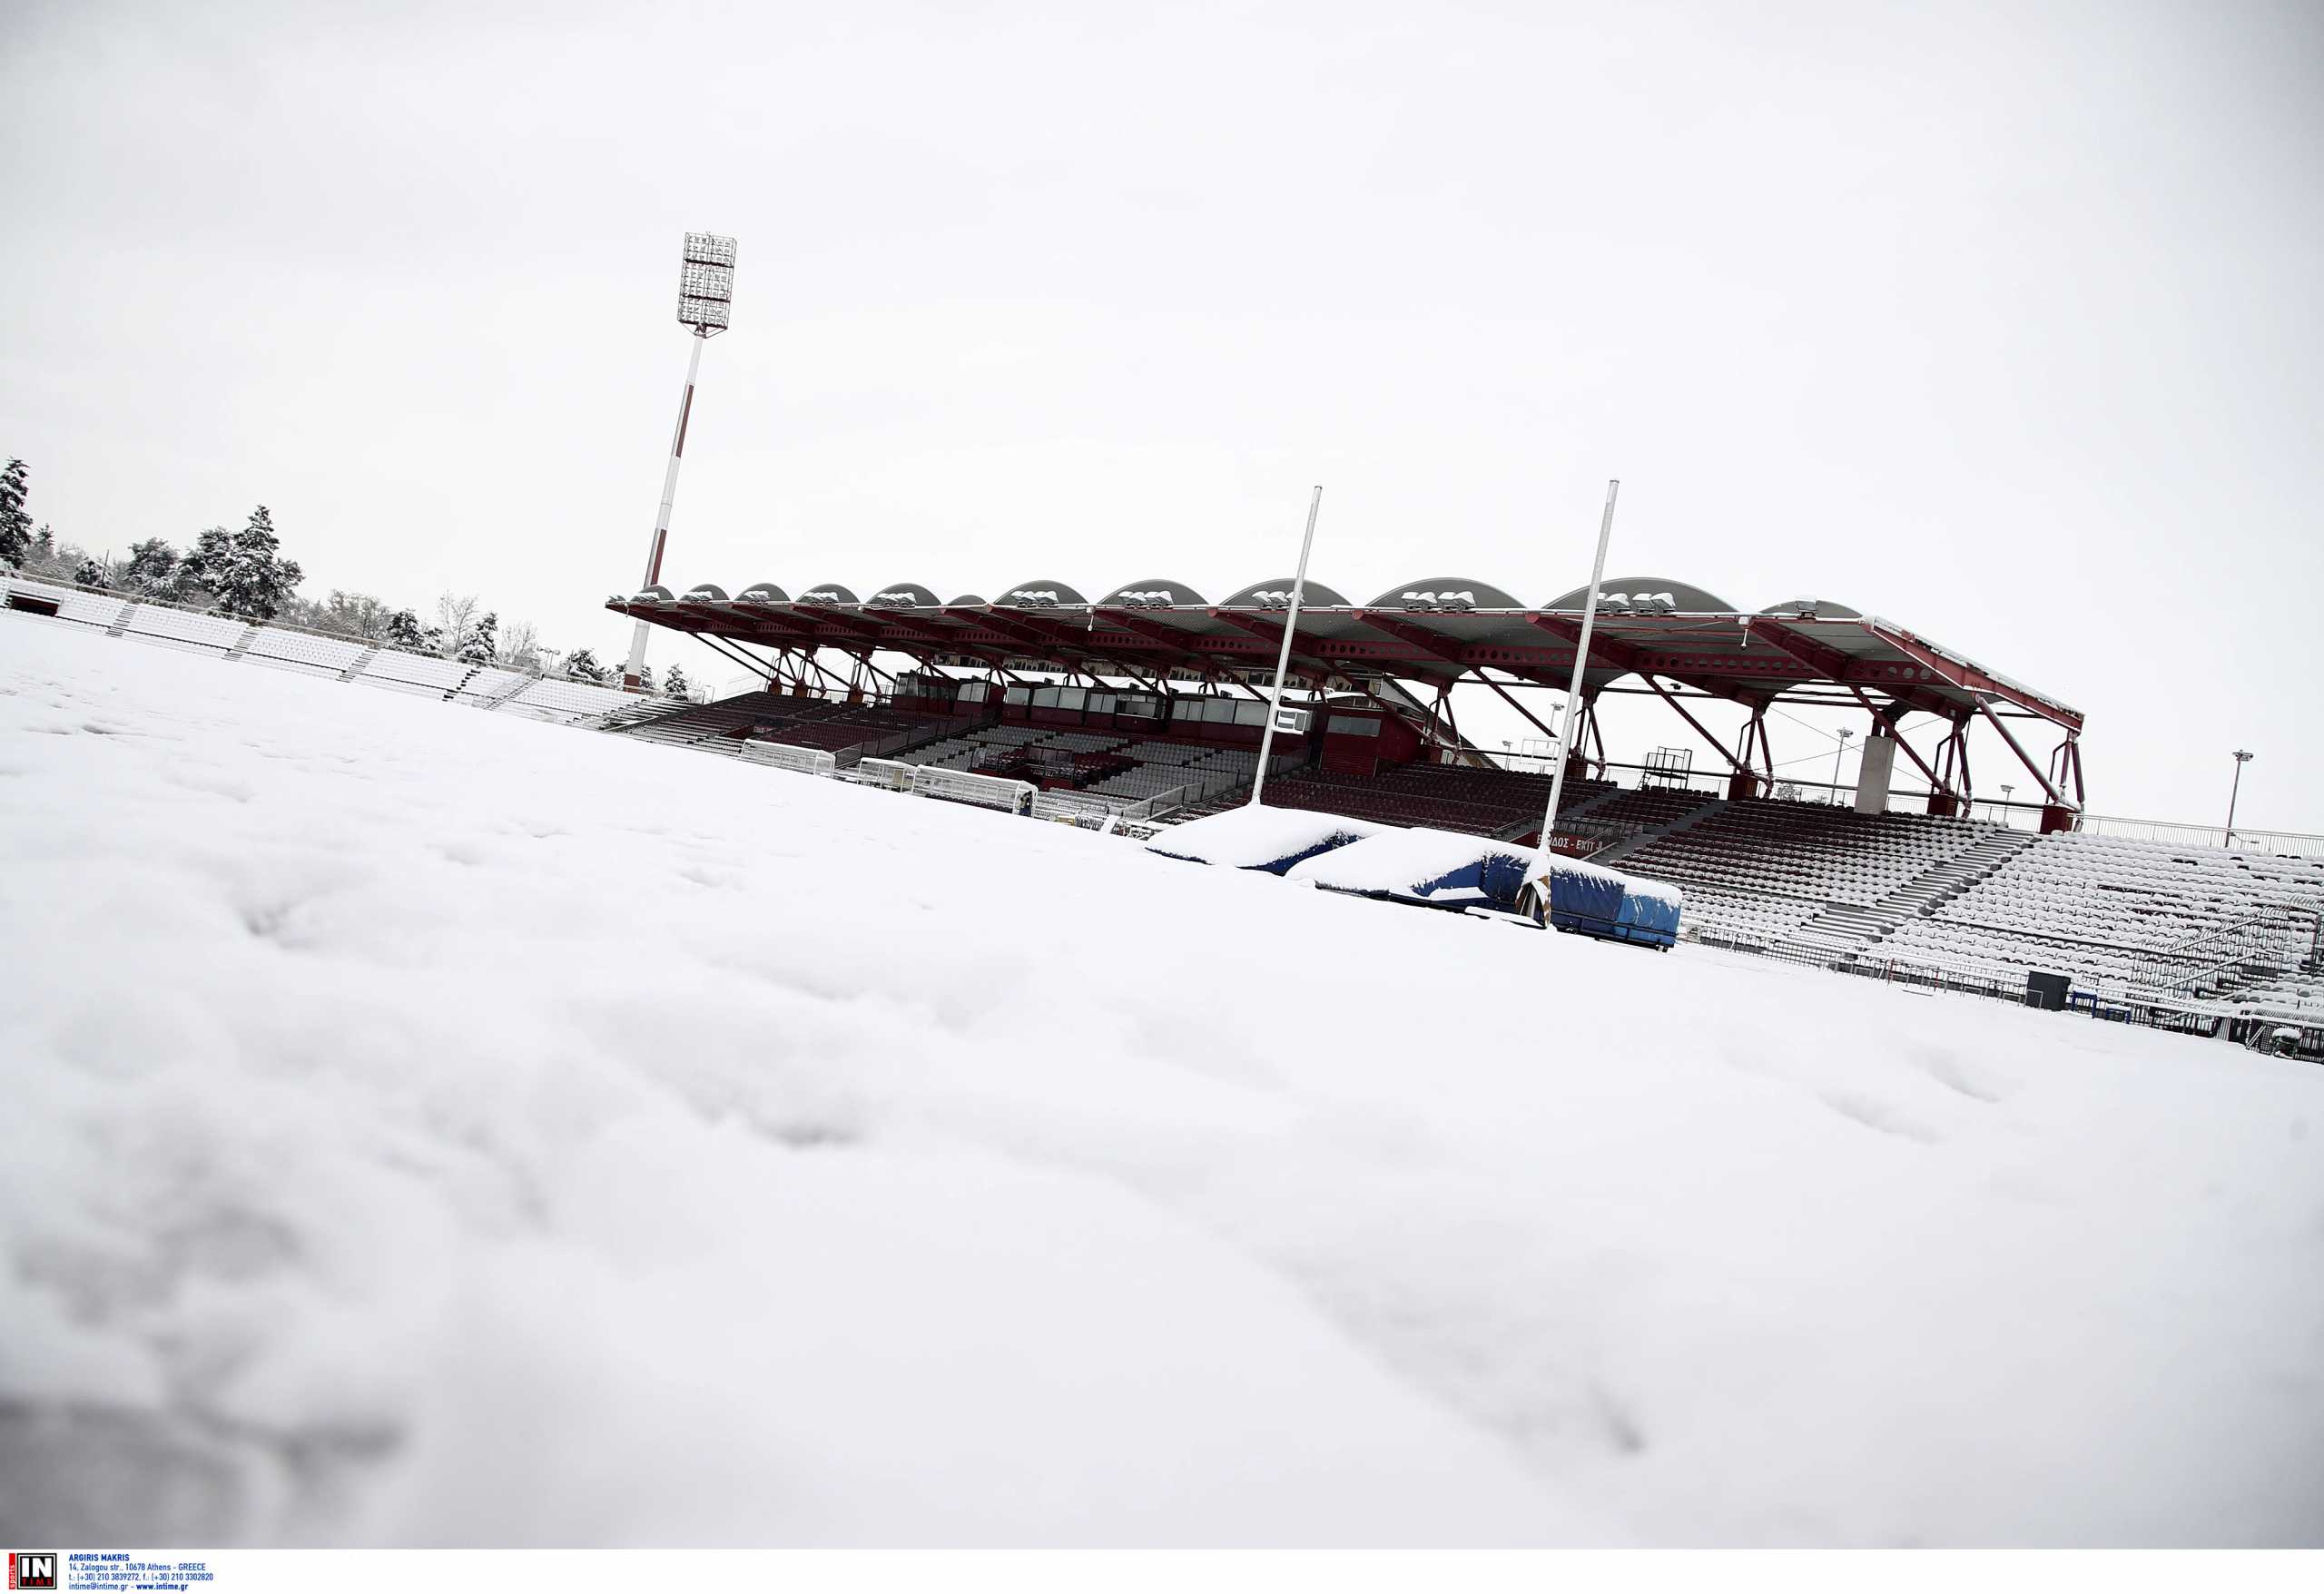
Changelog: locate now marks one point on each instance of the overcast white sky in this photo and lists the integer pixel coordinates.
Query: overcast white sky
(2001, 321)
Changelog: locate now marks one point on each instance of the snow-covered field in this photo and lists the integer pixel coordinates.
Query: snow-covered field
(426, 1127)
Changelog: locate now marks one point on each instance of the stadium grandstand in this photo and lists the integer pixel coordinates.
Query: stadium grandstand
(1149, 704)
(1148, 708)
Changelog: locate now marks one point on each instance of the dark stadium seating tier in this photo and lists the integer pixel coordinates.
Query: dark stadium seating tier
(1798, 877)
(795, 722)
(1497, 802)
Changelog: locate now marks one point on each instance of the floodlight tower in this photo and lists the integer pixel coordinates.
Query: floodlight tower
(705, 304)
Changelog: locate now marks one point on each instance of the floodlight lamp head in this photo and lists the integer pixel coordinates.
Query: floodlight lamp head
(706, 284)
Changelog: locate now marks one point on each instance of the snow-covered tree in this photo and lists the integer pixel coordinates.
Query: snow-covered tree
(520, 646)
(581, 665)
(89, 572)
(675, 684)
(16, 524)
(455, 613)
(153, 568)
(203, 568)
(255, 580)
(645, 677)
(350, 614)
(481, 645)
(401, 629)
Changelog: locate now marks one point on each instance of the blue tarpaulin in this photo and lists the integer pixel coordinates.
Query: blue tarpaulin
(1443, 868)
(1648, 917)
(1275, 840)
(1584, 898)
(1494, 876)
(1590, 901)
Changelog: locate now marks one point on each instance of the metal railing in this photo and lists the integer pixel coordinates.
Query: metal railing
(2216, 838)
(2262, 946)
(133, 616)
(2114, 1005)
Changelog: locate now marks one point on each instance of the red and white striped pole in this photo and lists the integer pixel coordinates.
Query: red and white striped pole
(631, 675)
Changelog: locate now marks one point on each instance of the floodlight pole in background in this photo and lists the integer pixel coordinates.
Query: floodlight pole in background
(1580, 663)
(705, 305)
(1283, 655)
(2233, 791)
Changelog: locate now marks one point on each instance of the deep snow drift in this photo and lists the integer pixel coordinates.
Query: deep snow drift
(425, 1127)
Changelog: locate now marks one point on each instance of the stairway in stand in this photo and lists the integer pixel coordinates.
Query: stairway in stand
(1629, 844)
(1846, 931)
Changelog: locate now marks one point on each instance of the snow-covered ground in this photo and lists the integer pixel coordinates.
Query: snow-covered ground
(426, 1127)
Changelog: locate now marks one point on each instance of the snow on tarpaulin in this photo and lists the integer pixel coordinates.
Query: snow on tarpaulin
(1649, 914)
(1273, 839)
(1446, 867)
(1598, 901)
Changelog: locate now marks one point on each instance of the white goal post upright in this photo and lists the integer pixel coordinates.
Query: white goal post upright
(1580, 663)
(706, 305)
(1283, 655)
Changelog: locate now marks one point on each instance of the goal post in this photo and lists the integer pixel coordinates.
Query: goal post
(984, 790)
(807, 761)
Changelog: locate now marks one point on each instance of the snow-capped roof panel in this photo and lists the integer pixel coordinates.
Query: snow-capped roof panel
(1812, 609)
(1682, 597)
(763, 592)
(1276, 594)
(904, 595)
(1156, 593)
(830, 593)
(1041, 595)
(1444, 594)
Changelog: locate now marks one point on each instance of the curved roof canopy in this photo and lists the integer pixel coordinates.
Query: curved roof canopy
(763, 592)
(1156, 593)
(1450, 594)
(1647, 594)
(903, 594)
(1813, 609)
(1439, 630)
(1042, 595)
(1276, 594)
(652, 594)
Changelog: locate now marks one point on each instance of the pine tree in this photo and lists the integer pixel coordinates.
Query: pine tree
(581, 665)
(153, 568)
(482, 643)
(401, 629)
(202, 574)
(16, 524)
(645, 677)
(256, 579)
(675, 683)
(89, 572)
